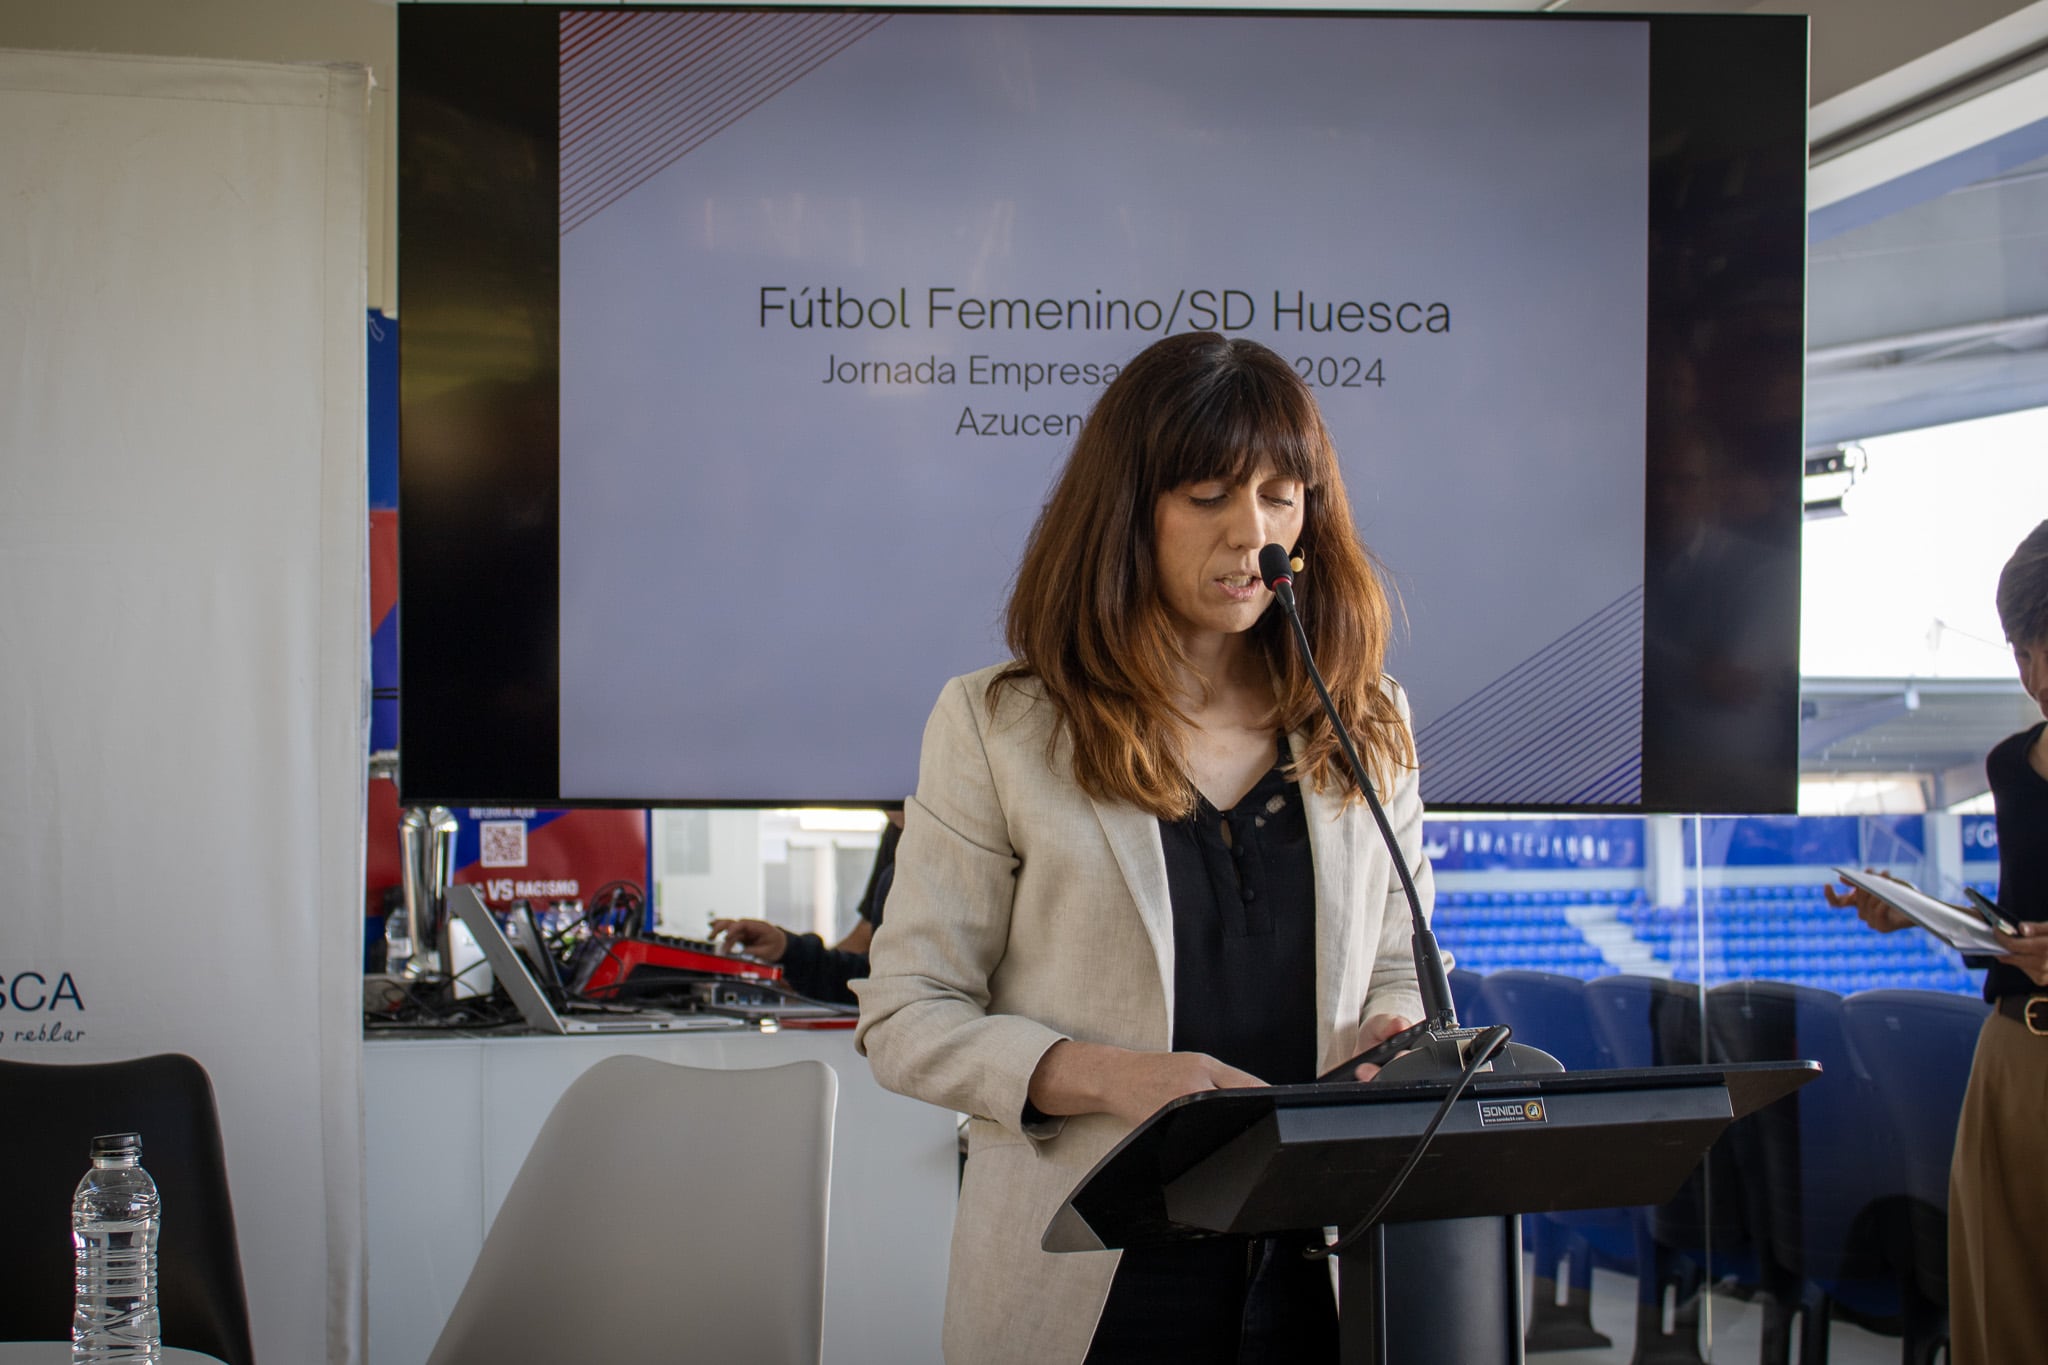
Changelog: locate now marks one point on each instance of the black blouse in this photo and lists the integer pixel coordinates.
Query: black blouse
(2019, 795)
(1242, 884)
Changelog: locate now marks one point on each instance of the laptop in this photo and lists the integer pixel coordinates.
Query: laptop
(523, 984)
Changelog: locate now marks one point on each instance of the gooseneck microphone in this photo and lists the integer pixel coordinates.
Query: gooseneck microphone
(1440, 1013)
(1438, 1047)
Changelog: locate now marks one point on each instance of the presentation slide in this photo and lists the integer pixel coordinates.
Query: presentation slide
(838, 290)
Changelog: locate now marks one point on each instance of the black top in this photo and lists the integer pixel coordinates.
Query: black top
(1242, 883)
(879, 876)
(2020, 796)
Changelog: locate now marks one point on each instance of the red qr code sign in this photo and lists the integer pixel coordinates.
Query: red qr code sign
(504, 843)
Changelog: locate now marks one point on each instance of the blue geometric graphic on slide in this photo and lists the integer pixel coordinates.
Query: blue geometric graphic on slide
(1564, 727)
(639, 91)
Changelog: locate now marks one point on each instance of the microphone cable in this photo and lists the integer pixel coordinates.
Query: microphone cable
(1488, 1042)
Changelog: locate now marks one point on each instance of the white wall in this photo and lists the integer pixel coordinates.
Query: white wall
(707, 863)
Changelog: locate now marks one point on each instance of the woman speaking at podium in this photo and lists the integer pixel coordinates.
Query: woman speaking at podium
(1136, 866)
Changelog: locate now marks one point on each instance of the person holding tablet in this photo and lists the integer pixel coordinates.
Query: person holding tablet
(1136, 866)
(1998, 1181)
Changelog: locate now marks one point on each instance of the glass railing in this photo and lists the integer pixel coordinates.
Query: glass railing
(1816, 1228)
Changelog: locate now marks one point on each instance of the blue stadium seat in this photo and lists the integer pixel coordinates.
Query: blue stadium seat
(1917, 1048)
(1468, 998)
(1548, 1011)
(1818, 1173)
(1698, 1237)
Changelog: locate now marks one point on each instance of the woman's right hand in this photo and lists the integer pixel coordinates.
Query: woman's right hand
(1091, 1078)
(1869, 908)
(754, 937)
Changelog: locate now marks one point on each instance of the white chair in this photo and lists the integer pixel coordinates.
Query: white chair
(665, 1213)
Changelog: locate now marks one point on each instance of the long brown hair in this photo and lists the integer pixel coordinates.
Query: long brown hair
(1085, 617)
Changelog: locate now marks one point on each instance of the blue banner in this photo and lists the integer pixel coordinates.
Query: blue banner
(1810, 840)
(1616, 842)
(1533, 845)
(382, 431)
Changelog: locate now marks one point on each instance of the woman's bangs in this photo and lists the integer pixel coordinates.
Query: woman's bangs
(1240, 431)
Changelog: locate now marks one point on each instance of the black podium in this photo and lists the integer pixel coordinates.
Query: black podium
(1439, 1279)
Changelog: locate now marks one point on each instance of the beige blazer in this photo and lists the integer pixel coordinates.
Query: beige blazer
(1023, 912)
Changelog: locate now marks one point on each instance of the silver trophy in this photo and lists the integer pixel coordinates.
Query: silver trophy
(414, 938)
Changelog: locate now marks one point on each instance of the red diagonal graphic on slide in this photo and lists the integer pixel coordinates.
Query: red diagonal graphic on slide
(641, 91)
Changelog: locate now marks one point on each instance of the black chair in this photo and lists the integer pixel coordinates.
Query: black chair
(1822, 1174)
(1468, 997)
(53, 1112)
(1917, 1048)
(1700, 1237)
(1548, 1010)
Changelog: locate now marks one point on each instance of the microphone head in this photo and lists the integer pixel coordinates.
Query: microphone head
(1273, 567)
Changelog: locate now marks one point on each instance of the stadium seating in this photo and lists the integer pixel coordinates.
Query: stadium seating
(1917, 1048)
(1821, 1176)
(1699, 1236)
(1548, 1010)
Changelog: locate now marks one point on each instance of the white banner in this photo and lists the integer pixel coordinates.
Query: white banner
(182, 631)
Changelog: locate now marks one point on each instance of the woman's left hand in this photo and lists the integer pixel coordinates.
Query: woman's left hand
(1375, 1029)
(2029, 950)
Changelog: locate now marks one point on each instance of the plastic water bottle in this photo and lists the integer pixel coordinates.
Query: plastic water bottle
(113, 1229)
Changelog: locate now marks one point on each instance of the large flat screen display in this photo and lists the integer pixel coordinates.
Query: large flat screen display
(740, 348)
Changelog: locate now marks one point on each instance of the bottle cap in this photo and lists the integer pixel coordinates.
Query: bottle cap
(117, 1145)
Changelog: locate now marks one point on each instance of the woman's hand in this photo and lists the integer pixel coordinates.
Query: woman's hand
(754, 937)
(1869, 908)
(2029, 950)
(1377, 1028)
(1094, 1078)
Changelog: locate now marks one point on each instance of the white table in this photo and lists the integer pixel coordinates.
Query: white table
(450, 1120)
(59, 1353)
